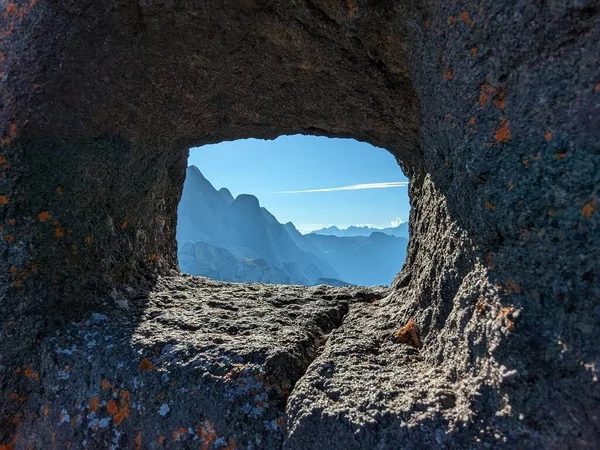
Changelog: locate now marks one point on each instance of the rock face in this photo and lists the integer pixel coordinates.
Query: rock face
(491, 109)
(217, 263)
(201, 364)
(237, 240)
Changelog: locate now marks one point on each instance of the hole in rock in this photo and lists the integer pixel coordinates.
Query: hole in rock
(294, 210)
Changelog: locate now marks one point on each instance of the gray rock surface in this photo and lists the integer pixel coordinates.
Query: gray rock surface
(490, 108)
(204, 365)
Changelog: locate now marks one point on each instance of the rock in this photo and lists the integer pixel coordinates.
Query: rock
(100, 103)
(218, 362)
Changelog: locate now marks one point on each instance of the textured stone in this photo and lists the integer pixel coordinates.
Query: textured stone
(491, 109)
(203, 363)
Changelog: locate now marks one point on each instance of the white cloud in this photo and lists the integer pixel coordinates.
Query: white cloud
(395, 222)
(354, 187)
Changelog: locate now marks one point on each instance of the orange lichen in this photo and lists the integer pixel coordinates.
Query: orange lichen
(448, 75)
(208, 434)
(504, 316)
(89, 239)
(59, 232)
(464, 16)
(409, 334)
(11, 8)
(105, 384)
(503, 133)
(451, 20)
(44, 216)
(146, 365)
(512, 287)
(472, 121)
(548, 136)
(119, 413)
(124, 225)
(138, 441)
(489, 205)
(474, 51)
(561, 155)
(94, 403)
(2, 160)
(483, 98)
(12, 221)
(500, 102)
(11, 445)
(597, 87)
(160, 440)
(112, 408)
(12, 130)
(10, 238)
(154, 257)
(179, 433)
(352, 8)
(3, 200)
(231, 445)
(589, 208)
(59, 190)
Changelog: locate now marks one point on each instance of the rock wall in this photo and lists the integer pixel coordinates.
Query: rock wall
(491, 109)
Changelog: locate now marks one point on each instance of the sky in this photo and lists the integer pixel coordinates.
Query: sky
(311, 181)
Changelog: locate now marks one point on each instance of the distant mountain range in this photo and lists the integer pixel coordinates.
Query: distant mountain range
(235, 239)
(398, 231)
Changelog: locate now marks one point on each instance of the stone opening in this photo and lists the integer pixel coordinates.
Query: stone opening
(490, 108)
(299, 209)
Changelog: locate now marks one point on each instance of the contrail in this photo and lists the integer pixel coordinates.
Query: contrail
(354, 187)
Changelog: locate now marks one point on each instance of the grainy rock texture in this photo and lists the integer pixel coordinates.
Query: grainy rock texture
(492, 110)
(192, 363)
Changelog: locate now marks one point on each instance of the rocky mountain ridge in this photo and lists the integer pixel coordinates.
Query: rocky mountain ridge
(235, 239)
(400, 230)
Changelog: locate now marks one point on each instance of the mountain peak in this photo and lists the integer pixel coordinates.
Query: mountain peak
(247, 201)
(194, 170)
(226, 194)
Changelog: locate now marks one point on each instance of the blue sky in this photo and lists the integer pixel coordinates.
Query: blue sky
(272, 170)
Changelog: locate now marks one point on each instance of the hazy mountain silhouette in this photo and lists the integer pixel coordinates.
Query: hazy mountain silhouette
(235, 239)
(398, 231)
(245, 230)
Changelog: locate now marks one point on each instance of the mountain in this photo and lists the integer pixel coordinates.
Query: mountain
(398, 231)
(235, 239)
(200, 258)
(245, 230)
(363, 260)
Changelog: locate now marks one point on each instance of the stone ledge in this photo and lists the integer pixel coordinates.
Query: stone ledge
(207, 363)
